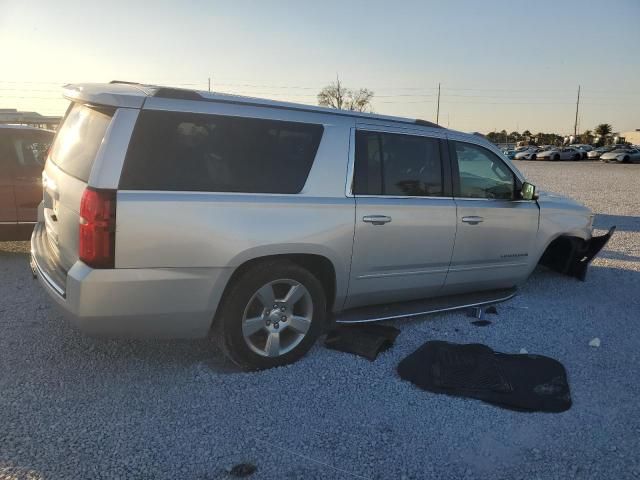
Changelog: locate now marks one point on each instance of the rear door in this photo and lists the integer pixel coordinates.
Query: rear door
(496, 231)
(405, 217)
(31, 147)
(66, 176)
(7, 162)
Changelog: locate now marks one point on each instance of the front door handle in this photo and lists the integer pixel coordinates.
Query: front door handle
(473, 220)
(376, 219)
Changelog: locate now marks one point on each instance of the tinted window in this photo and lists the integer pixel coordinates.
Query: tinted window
(31, 148)
(212, 153)
(79, 138)
(482, 174)
(399, 165)
(7, 155)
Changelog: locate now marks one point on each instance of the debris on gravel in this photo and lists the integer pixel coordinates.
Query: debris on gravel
(595, 342)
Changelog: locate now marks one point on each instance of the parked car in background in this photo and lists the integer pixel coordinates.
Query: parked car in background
(170, 212)
(529, 154)
(22, 157)
(510, 154)
(621, 155)
(560, 153)
(596, 152)
(584, 149)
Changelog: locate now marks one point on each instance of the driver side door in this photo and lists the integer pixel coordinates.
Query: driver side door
(496, 230)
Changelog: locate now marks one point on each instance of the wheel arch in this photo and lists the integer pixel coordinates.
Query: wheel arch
(333, 279)
(560, 251)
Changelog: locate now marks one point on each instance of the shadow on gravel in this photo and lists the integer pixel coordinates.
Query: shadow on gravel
(623, 223)
(156, 354)
(618, 256)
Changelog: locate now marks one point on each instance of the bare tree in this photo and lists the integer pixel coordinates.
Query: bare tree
(335, 95)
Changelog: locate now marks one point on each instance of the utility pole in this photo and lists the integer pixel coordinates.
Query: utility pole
(575, 125)
(438, 109)
(209, 87)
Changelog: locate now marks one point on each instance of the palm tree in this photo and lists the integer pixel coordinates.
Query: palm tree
(587, 137)
(604, 129)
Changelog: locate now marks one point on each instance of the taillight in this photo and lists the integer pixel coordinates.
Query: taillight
(98, 228)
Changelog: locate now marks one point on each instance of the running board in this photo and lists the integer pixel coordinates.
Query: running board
(392, 311)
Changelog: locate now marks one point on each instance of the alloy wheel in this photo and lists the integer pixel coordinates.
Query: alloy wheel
(277, 317)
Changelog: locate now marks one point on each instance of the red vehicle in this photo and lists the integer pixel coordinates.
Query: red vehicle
(22, 157)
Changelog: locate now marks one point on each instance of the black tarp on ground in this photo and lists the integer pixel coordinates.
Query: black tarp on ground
(366, 340)
(517, 382)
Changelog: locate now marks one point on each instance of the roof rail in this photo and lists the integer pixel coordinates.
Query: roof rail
(177, 93)
(426, 123)
(124, 82)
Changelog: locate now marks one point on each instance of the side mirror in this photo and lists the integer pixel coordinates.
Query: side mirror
(528, 191)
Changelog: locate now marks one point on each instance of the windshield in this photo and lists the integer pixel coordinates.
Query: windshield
(79, 138)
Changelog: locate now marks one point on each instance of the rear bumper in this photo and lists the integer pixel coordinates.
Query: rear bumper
(151, 302)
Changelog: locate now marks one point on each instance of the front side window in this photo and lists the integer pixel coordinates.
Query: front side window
(397, 165)
(212, 153)
(482, 174)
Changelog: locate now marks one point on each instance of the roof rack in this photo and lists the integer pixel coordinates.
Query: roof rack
(177, 93)
(426, 123)
(124, 82)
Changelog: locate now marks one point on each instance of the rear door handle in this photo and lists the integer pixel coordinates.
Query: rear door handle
(376, 219)
(473, 220)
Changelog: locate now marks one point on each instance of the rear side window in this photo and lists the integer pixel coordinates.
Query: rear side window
(31, 148)
(79, 138)
(213, 153)
(397, 165)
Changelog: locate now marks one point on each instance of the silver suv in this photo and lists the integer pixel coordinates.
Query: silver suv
(170, 212)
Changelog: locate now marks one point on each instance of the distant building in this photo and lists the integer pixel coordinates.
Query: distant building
(632, 137)
(12, 115)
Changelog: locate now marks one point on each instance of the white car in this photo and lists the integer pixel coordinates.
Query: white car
(584, 149)
(595, 154)
(621, 155)
(529, 154)
(566, 153)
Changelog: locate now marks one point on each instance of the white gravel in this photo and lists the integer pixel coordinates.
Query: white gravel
(74, 407)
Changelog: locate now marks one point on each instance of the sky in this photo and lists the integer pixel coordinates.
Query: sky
(513, 65)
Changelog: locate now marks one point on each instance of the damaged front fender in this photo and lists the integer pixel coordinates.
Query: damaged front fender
(572, 256)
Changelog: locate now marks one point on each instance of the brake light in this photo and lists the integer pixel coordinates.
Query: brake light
(97, 246)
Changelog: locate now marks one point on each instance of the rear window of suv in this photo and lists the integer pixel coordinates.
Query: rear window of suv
(76, 144)
(212, 153)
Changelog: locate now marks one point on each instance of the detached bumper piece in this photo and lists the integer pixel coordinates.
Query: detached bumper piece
(572, 256)
(366, 340)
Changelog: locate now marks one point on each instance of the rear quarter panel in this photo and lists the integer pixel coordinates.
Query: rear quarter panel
(223, 230)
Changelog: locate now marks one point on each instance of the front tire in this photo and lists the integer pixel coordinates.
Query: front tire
(556, 157)
(576, 157)
(271, 315)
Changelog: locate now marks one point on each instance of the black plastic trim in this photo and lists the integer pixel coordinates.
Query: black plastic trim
(178, 94)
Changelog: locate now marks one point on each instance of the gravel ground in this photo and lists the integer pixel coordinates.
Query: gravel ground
(77, 407)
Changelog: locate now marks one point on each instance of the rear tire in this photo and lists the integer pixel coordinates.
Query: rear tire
(624, 160)
(533, 157)
(556, 157)
(271, 315)
(576, 157)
